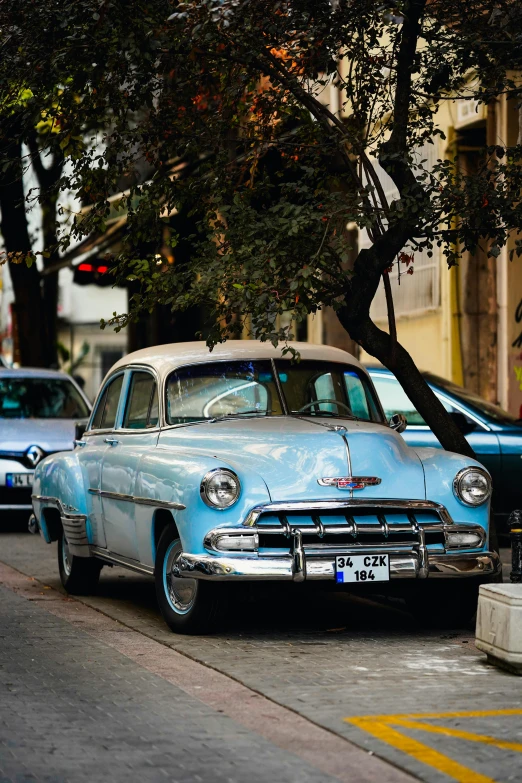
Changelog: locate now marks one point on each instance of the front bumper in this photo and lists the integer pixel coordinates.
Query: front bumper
(288, 568)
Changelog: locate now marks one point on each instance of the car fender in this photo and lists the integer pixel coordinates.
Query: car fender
(58, 484)
(171, 475)
(440, 469)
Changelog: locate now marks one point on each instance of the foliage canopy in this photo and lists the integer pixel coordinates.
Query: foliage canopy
(223, 111)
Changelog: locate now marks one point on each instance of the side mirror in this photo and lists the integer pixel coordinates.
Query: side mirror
(79, 429)
(398, 422)
(463, 423)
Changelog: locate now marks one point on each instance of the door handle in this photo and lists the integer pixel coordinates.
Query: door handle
(80, 443)
(112, 441)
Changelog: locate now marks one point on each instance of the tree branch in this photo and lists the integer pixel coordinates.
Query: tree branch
(393, 152)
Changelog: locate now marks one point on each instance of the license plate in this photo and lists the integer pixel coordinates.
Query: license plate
(19, 479)
(362, 568)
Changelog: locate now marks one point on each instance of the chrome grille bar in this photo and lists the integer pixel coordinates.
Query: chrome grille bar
(347, 506)
(297, 535)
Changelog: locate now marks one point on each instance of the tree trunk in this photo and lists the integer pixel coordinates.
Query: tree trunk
(398, 360)
(26, 280)
(50, 282)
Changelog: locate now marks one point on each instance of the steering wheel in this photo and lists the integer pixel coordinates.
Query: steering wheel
(330, 402)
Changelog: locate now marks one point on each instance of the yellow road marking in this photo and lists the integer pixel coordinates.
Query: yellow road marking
(419, 751)
(425, 715)
(466, 735)
(380, 726)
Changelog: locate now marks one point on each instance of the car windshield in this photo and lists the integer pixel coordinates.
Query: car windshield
(472, 400)
(243, 388)
(40, 398)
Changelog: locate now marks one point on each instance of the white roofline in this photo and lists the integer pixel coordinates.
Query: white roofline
(165, 358)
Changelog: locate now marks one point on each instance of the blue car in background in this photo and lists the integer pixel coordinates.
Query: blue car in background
(494, 434)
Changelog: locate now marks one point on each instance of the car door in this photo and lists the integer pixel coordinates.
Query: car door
(92, 450)
(135, 432)
(482, 440)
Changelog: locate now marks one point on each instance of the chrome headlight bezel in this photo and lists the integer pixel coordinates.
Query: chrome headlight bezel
(203, 489)
(461, 476)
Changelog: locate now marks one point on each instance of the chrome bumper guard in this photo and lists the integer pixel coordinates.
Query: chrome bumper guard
(315, 559)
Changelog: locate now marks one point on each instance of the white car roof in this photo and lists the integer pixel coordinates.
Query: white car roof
(165, 358)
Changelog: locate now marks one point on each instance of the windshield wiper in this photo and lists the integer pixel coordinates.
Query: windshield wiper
(223, 417)
(326, 413)
(254, 412)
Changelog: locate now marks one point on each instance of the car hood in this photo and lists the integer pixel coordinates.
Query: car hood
(50, 435)
(291, 454)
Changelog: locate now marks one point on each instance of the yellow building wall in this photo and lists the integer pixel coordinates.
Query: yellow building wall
(514, 334)
(424, 339)
(432, 338)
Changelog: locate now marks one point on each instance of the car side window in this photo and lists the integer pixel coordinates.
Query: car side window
(359, 401)
(141, 411)
(96, 421)
(395, 400)
(105, 416)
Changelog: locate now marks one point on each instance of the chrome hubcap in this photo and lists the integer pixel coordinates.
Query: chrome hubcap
(66, 557)
(181, 592)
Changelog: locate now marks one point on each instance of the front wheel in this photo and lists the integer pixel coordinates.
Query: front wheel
(188, 605)
(79, 575)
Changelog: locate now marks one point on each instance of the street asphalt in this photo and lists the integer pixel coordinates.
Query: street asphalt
(354, 681)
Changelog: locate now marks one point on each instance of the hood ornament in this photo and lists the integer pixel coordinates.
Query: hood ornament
(349, 482)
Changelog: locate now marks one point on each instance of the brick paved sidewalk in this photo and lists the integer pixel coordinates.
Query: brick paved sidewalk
(73, 708)
(331, 659)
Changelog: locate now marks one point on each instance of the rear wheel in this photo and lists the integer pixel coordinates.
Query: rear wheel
(79, 575)
(188, 606)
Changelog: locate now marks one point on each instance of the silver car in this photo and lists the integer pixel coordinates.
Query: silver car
(38, 413)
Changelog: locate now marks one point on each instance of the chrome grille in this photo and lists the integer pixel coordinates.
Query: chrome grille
(359, 527)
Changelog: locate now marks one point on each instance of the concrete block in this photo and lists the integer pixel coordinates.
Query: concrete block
(499, 625)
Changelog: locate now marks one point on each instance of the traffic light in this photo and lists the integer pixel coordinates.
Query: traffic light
(93, 272)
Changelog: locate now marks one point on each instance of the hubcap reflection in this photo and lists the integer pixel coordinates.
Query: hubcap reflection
(66, 556)
(181, 592)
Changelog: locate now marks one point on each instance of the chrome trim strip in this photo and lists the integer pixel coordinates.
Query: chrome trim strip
(20, 507)
(344, 505)
(63, 508)
(349, 458)
(119, 560)
(171, 504)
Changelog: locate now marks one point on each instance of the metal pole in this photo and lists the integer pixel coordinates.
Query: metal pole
(515, 525)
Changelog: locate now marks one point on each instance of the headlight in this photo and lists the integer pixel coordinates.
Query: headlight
(220, 488)
(472, 486)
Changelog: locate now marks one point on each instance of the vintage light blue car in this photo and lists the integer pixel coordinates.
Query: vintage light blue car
(201, 468)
